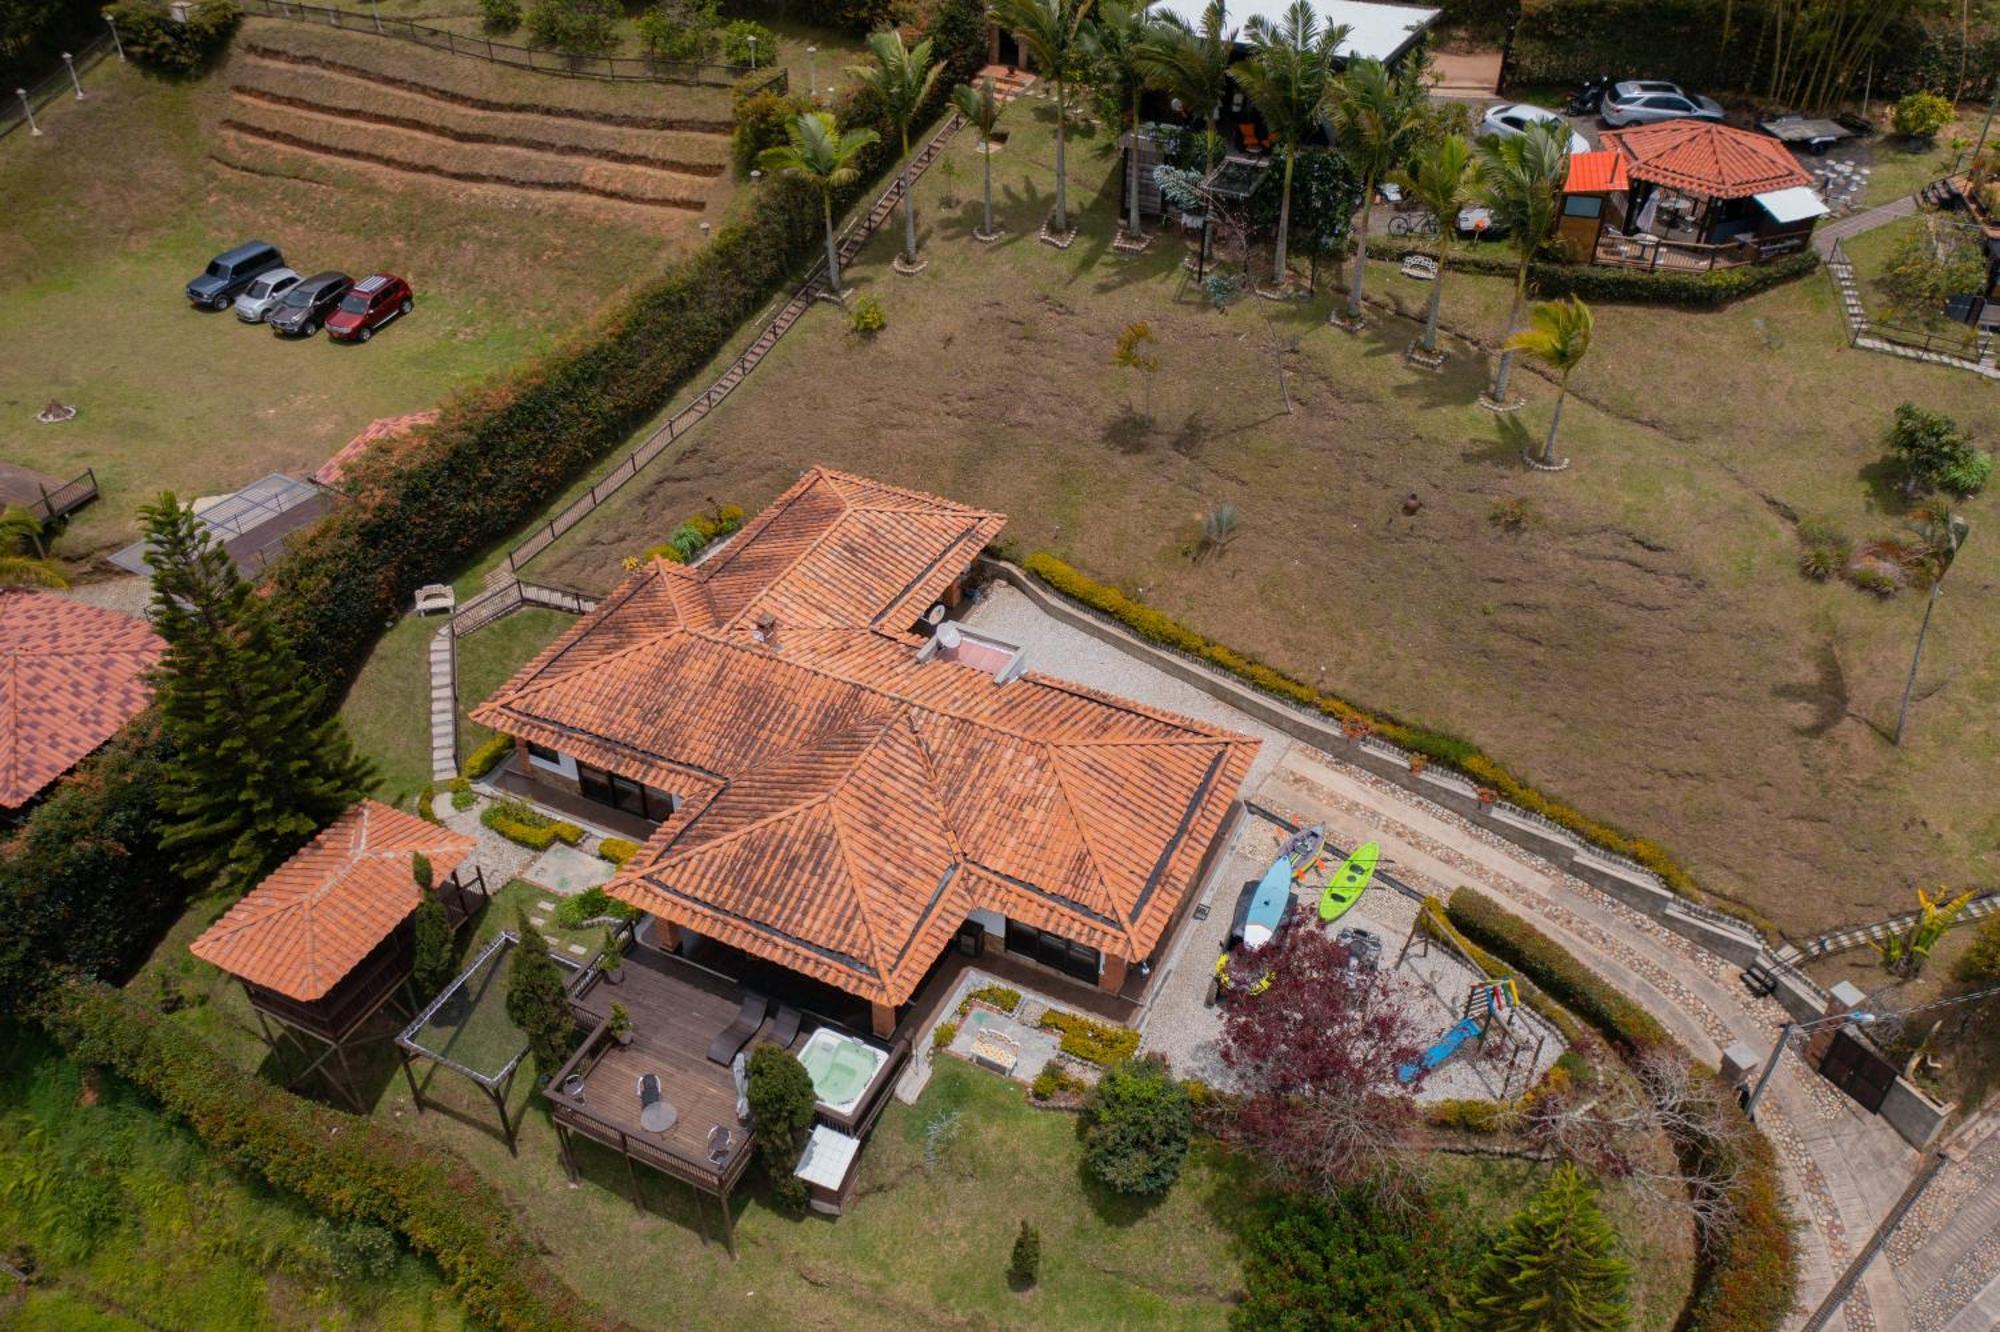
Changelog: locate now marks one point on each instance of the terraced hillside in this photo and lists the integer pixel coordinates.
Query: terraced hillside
(430, 118)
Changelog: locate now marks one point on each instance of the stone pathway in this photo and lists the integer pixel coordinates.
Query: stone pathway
(1828, 234)
(444, 704)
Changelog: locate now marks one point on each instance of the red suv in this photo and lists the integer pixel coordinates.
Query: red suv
(369, 304)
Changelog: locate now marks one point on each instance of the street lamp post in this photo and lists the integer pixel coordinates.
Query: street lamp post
(753, 54)
(812, 73)
(116, 44)
(74, 81)
(1785, 1034)
(34, 130)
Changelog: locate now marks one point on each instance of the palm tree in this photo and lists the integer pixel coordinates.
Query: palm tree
(1441, 179)
(1519, 177)
(1939, 533)
(1287, 75)
(901, 79)
(1116, 44)
(1558, 335)
(1053, 32)
(981, 109)
(1192, 67)
(1376, 121)
(24, 556)
(817, 150)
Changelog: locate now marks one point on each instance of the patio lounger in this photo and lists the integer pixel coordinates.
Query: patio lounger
(649, 1089)
(786, 1029)
(737, 1034)
(720, 1144)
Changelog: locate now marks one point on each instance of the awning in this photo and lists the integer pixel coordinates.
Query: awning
(1797, 204)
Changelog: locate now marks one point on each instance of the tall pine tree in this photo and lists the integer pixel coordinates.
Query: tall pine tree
(1555, 1267)
(256, 767)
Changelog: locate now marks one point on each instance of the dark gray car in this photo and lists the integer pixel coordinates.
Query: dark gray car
(305, 307)
(231, 272)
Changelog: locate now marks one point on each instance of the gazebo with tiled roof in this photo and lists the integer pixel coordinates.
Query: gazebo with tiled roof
(71, 675)
(323, 944)
(1741, 187)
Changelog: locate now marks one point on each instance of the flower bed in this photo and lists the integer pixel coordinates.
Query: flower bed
(1095, 1042)
(526, 826)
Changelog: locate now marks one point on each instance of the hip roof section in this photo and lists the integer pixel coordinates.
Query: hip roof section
(71, 675)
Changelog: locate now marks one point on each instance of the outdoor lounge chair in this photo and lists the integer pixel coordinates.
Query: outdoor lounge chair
(649, 1089)
(786, 1029)
(720, 1144)
(737, 1034)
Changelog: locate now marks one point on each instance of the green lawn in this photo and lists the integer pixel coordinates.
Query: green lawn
(1871, 253)
(126, 197)
(131, 1224)
(1645, 649)
(489, 656)
(387, 711)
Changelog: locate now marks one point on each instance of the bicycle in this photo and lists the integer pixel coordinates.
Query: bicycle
(1413, 224)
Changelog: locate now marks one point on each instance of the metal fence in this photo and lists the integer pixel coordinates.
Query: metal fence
(620, 69)
(14, 115)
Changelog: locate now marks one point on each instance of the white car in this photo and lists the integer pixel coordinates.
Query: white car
(262, 296)
(1649, 101)
(1510, 119)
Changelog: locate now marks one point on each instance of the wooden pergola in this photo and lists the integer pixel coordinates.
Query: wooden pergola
(323, 946)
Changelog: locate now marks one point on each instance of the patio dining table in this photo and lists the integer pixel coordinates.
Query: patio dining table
(659, 1116)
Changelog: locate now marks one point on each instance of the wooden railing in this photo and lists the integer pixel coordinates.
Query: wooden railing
(1654, 254)
(619, 69)
(67, 498)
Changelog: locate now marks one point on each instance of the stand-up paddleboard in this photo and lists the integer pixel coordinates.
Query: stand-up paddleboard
(1351, 880)
(1274, 890)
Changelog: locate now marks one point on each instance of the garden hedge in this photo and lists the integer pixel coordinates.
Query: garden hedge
(1604, 282)
(348, 1168)
(1747, 1277)
(1158, 627)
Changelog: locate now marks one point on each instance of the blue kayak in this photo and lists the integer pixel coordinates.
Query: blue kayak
(1274, 890)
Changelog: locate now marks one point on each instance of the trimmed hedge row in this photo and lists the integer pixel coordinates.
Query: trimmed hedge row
(1748, 1276)
(488, 756)
(1605, 282)
(1434, 919)
(1462, 755)
(347, 1168)
(524, 826)
(1095, 1042)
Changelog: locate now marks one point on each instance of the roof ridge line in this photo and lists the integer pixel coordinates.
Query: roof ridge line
(1089, 849)
(759, 521)
(795, 561)
(538, 685)
(610, 604)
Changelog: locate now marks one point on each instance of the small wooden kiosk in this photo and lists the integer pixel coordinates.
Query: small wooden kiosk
(323, 945)
(1593, 193)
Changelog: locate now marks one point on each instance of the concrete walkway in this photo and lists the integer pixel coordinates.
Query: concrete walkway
(1844, 1168)
(444, 704)
(1867, 219)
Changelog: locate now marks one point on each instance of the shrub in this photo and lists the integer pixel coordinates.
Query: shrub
(463, 800)
(867, 318)
(1629, 286)
(782, 1102)
(488, 757)
(1136, 1124)
(1934, 261)
(1980, 963)
(1824, 550)
(152, 36)
(737, 49)
(433, 950)
(420, 870)
(1090, 1040)
(1349, 1264)
(1024, 1265)
(1054, 1080)
(1468, 1116)
(730, 516)
(573, 913)
(761, 119)
(994, 996)
(524, 825)
(500, 16)
(350, 1169)
(427, 805)
(943, 1034)
(1873, 577)
(679, 31)
(357, 1251)
(574, 27)
(1929, 451)
(617, 850)
(1511, 514)
(1920, 115)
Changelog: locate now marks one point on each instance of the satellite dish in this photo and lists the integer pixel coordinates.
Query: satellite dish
(947, 636)
(935, 615)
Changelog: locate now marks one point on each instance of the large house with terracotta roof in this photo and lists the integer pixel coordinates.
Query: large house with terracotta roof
(71, 676)
(832, 776)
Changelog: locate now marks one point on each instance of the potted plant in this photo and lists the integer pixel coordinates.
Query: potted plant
(620, 1025)
(1417, 765)
(610, 963)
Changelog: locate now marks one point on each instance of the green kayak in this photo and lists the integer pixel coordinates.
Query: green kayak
(1351, 880)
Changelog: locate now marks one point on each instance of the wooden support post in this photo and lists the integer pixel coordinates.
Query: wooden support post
(1112, 978)
(728, 1224)
(631, 1175)
(568, 1151)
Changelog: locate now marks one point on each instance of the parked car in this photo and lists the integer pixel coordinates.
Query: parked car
(1647, 101)
(263, 294)
(232, 272)
(369, 304)
(306, 306)
(1510, 119)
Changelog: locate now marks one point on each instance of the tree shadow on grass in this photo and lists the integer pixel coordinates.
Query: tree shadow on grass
(1112, 1207)
(1504, 449)
(1129, 432)
(1884, 481)
(1826, 695)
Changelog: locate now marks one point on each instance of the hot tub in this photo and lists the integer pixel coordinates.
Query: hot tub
(842, 1068)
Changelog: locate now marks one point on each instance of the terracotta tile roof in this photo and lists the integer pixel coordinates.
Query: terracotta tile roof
(846, 805)
(70, 676)
(315, 917)
(1706, 159)
(334, 470)
(1601, 172)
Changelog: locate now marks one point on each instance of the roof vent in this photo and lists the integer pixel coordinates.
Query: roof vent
(765, 630)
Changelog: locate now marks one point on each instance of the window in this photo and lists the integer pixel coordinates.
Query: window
(622, 793)
(1583, 205)
(1052, 950)
(543, 752)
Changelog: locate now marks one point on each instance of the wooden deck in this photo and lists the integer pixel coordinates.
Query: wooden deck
(47, 497)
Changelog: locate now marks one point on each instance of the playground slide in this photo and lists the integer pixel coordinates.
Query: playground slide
(1462, 1031)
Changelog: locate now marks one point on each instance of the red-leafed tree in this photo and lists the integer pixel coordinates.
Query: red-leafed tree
(1315, 1056)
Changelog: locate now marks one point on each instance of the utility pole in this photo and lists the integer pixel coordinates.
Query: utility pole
(1785, 1034)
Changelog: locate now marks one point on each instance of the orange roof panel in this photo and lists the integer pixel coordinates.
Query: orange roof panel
(846, 804)
(70, 676)
(317, 916)
(1601, 172)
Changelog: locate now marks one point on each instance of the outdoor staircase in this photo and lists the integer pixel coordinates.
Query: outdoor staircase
(1008, 84)
(444, 704)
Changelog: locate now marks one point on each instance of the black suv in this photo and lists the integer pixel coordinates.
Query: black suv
(230, 272)
(307, 305)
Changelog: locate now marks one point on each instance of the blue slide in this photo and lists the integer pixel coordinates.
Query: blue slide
(1462, 1031)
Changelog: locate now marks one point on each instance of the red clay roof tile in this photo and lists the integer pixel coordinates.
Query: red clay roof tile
(317, 916)
(70, 676)
(1705, 159)
(845, 804)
